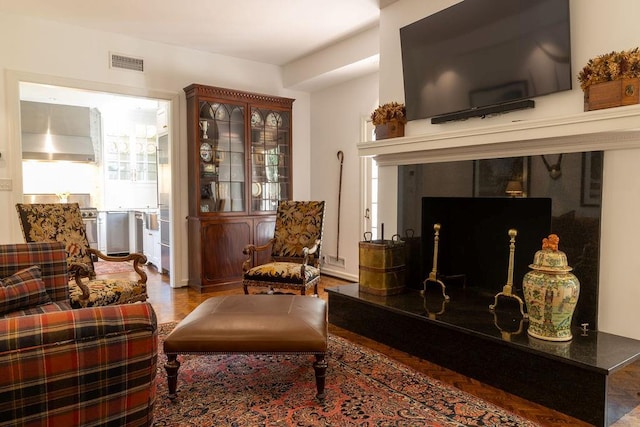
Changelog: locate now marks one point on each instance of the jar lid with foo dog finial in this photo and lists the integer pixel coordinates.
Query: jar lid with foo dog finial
(550, 292)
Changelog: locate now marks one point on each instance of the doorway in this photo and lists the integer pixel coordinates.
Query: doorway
(131, 170)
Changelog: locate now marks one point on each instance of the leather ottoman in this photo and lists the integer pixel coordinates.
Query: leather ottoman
(271, 324)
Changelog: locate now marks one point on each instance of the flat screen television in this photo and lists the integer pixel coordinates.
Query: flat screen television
(483, 53)
(474, 237)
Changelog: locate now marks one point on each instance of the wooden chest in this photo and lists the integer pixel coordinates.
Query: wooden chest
(391, 129)
(611, 94)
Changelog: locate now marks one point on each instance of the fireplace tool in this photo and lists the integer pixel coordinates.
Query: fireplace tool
(508, 288)
(336, 260)
(433, 276)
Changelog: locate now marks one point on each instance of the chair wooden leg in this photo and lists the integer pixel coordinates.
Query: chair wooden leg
(246, 289)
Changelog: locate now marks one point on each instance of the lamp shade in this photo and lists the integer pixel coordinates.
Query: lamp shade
(514, 188)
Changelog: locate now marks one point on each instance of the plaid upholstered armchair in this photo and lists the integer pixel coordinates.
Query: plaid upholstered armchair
(295, 250)
(62, 366)
(62, 222)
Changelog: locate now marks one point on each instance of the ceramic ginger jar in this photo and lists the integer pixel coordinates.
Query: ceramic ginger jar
(551, 293)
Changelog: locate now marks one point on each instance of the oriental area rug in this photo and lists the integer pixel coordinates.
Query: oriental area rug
(108, 267)
(364, 388)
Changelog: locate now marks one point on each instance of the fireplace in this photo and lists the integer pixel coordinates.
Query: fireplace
(614, 131)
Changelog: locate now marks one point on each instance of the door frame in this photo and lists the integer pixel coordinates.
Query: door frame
(13, 78)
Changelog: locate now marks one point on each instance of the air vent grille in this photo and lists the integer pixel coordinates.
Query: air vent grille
(127, 62)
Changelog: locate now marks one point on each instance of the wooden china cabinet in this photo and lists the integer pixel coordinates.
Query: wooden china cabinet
(239, 169)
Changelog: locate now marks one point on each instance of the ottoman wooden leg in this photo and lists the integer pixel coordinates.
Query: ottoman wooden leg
(320, 367)
(171, 367)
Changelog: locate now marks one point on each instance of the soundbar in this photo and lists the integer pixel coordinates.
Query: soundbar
(484, 111)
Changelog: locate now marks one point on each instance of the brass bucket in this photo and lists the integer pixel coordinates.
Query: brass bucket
(382, 267)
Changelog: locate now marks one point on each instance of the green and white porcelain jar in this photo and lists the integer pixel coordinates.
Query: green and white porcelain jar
(551, 293)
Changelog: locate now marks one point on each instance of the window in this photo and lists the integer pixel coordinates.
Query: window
(369, 188)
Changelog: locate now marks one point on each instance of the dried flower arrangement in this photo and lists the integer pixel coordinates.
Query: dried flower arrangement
(609, 67)
(387, 112)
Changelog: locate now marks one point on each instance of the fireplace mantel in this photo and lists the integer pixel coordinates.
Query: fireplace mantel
(609, 129)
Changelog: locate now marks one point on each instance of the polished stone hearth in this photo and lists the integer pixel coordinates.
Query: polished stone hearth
(594, 377)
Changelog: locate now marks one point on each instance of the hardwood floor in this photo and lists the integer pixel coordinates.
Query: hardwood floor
(174, 304)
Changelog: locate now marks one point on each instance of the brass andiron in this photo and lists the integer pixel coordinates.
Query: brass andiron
(431, 312)
(433, 276)
(506, 290)
(504, 332)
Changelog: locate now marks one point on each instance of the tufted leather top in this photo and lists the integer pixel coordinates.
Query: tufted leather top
(252, 324)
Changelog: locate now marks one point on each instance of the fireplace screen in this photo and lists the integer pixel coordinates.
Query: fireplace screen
(474, 239)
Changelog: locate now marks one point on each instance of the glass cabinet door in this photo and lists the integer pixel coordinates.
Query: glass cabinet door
(270, 158)
(146, 162)
(222, 157)
(117, 157)
(131, 155)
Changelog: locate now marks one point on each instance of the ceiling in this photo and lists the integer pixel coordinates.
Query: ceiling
(269, 31)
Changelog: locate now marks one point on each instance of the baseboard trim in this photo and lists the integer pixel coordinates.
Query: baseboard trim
(327, 271)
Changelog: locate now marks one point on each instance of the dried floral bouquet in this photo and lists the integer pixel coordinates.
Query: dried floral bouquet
(609, 67)
(388, 112)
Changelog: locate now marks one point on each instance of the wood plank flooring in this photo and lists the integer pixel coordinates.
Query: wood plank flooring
(174, 304)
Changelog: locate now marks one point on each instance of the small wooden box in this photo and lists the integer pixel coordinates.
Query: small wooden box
(611, 94)
(391, 129)
(382, 267)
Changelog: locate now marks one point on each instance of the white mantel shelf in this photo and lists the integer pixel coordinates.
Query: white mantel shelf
(608, 129)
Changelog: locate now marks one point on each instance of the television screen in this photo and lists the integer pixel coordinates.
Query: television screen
(480, 53)
(474, 237)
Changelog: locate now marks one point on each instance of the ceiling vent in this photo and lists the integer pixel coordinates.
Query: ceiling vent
(126, 62)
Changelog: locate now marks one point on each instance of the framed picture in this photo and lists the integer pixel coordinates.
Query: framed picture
(591, 182)
(491, 177)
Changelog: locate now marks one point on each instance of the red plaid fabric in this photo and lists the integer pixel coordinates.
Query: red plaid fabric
(44, 308)
(91, 366)
(24, 289)
(51, 258)
(86, 367)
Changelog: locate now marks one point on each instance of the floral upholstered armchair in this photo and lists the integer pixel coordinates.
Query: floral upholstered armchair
(62, 222)
(295, 250)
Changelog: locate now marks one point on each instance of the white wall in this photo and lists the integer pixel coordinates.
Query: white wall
(49, 51)
(597, 27)
(336, 117)
(620, 247)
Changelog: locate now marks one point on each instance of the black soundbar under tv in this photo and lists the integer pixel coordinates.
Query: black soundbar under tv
(484, 111)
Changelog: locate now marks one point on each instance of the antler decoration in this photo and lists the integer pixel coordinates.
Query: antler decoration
(554, 170)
